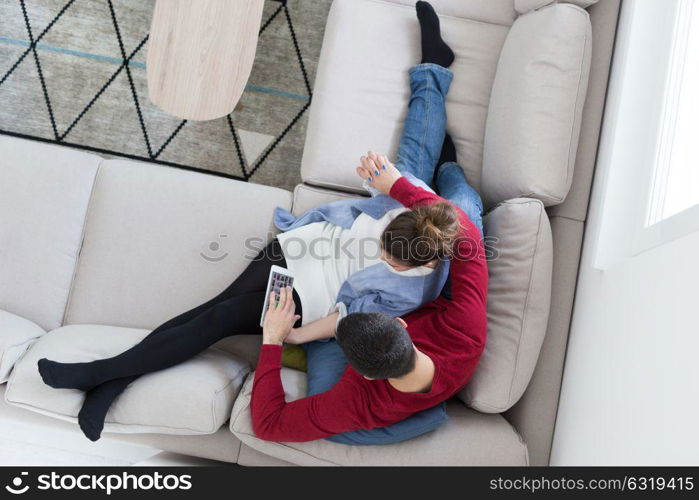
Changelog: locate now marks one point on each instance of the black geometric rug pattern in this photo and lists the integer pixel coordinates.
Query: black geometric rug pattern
(72, 72)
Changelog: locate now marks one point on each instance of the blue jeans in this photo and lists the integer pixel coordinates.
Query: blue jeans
(418, 153)
(423, 135)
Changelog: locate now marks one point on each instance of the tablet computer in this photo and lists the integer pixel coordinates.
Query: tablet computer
(279, 278)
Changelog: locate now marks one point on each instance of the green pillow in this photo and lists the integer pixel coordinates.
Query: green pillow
(294, 356)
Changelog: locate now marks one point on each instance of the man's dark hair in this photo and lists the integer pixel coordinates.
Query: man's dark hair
(376, 345)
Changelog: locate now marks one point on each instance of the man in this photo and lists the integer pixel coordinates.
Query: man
(397, 367)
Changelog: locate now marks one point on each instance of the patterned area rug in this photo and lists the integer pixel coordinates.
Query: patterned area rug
(73, 72)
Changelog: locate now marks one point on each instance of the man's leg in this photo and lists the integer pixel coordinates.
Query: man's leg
(424, 127)
(452, 185)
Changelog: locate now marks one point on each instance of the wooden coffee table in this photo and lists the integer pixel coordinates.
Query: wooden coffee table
(200, 53)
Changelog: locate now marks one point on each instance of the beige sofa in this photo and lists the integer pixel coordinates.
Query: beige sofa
(94, 253)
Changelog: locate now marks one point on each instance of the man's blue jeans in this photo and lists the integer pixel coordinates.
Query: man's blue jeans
(423, 135)
(418, 153)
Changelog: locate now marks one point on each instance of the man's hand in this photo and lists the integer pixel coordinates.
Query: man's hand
(378, 171)
(280, 317)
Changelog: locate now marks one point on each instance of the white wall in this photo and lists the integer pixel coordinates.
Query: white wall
(630, 392)
(631, 381)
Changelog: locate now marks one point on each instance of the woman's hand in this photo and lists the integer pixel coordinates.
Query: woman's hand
(378, 171)
(323, 328)
(280, 317)
(295, 336)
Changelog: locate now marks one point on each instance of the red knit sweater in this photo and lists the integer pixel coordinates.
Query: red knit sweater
(451, 332)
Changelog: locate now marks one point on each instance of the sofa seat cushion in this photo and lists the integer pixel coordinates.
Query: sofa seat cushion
(351, 113)
(519, 242)
(44, 195)
(160, 241)
(467, 438)
(194, 397)
(245, 347)
(16, 334)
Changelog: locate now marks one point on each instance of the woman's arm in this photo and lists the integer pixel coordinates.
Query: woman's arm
(323, 328)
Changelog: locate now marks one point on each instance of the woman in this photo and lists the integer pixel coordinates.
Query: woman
(425, 236)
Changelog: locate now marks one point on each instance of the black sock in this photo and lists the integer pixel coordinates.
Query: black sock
(66, 375)
(96, 405)
(447, 154)
(448, 151)
(434, 49)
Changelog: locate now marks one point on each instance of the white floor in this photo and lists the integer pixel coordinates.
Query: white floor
(19, 452)
(27, 438)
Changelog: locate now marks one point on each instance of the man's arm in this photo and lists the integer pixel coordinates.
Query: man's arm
(332, 412)
(466, 310)
(465, 313)
(410, 195)
(338, 410)
(381, 174)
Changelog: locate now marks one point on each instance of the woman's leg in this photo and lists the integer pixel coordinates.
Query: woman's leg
(424, 127)
(238, 314)
(99, 399)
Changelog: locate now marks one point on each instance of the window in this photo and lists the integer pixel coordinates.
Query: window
(675, 186)
(646, 188)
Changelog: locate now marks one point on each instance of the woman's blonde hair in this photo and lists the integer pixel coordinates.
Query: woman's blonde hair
(423, 234)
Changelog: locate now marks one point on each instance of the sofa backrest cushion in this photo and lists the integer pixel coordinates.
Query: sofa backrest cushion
(44, 195)
(16, 334)
(159, 241)
(533, 124)
(308, 197)
(361, 89)
(493, 11)
(518, 239)
(524, 6)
